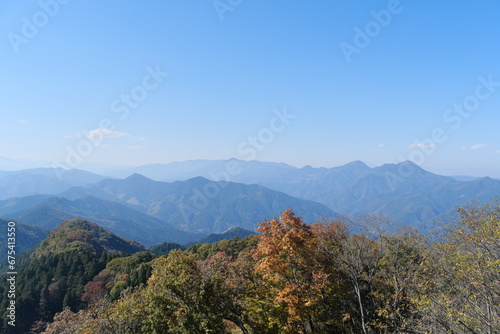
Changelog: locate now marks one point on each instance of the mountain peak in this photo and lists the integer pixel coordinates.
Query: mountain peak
(407, 164)
(357, 164)
(198, 180)
(82, 234)
(137, 177)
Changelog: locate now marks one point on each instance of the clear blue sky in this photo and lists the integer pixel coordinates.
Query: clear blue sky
(225, 78)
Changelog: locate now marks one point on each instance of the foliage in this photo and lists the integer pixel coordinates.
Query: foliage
(293, 281)
(231, 247)
(235, 232)
(56, 273)
(460, 291)
(292, 278)
(164, 248)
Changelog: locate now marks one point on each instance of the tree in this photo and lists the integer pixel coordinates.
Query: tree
(66, 322)
(396, 281)
(231, 283)
(294, 281)
(460, 291)
(359, 260)
(93, 291)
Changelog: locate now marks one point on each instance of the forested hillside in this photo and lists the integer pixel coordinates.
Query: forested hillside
(291, 278)
(54, 274)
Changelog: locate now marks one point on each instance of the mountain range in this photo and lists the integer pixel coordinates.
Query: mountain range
(42, 181)
(184, 201)
(153, 212)
(404, 191)
(118, 218)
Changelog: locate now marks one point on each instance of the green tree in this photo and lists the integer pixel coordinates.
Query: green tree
(396, 282)
(460, 289)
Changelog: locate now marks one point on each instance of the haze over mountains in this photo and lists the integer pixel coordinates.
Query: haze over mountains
(121, 219)
(42, 181)
(208, 196)
(404, 191)
(152, 212)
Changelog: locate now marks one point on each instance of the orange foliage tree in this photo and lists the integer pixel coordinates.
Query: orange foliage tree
(294, 280)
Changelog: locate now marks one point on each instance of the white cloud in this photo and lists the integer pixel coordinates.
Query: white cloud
(380, 145)
(137, 147)
(106, 133)
(141, 138)
(420, 146)
(22, 121)
(474, 147)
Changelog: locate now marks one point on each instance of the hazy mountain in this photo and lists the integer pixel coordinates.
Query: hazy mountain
(217, 170)
(18, 204)
(200, 205)
(119, 219)
(229, 234)
(7, 164)
(465, 178)
(42, 181)
(418, 199)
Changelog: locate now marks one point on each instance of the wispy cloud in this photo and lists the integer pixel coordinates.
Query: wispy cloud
(141, 138)
(22, 121)
(420, 146)
(137, 147)
(380, 145)
(106, 133)
(474, 147)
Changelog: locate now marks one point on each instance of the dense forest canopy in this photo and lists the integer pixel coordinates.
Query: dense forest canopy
(291, 278)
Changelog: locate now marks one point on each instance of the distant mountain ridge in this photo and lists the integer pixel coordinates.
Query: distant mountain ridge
(153, 212)
(200, 205)
(417, 199)
(43, 181)
(116, 217)
(195, 203)
(235, 232)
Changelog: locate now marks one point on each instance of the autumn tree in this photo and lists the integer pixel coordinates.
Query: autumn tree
(294, 279)
(93, 291)
(67, 322)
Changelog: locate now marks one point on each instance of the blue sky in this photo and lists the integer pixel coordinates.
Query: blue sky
(69, 67)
